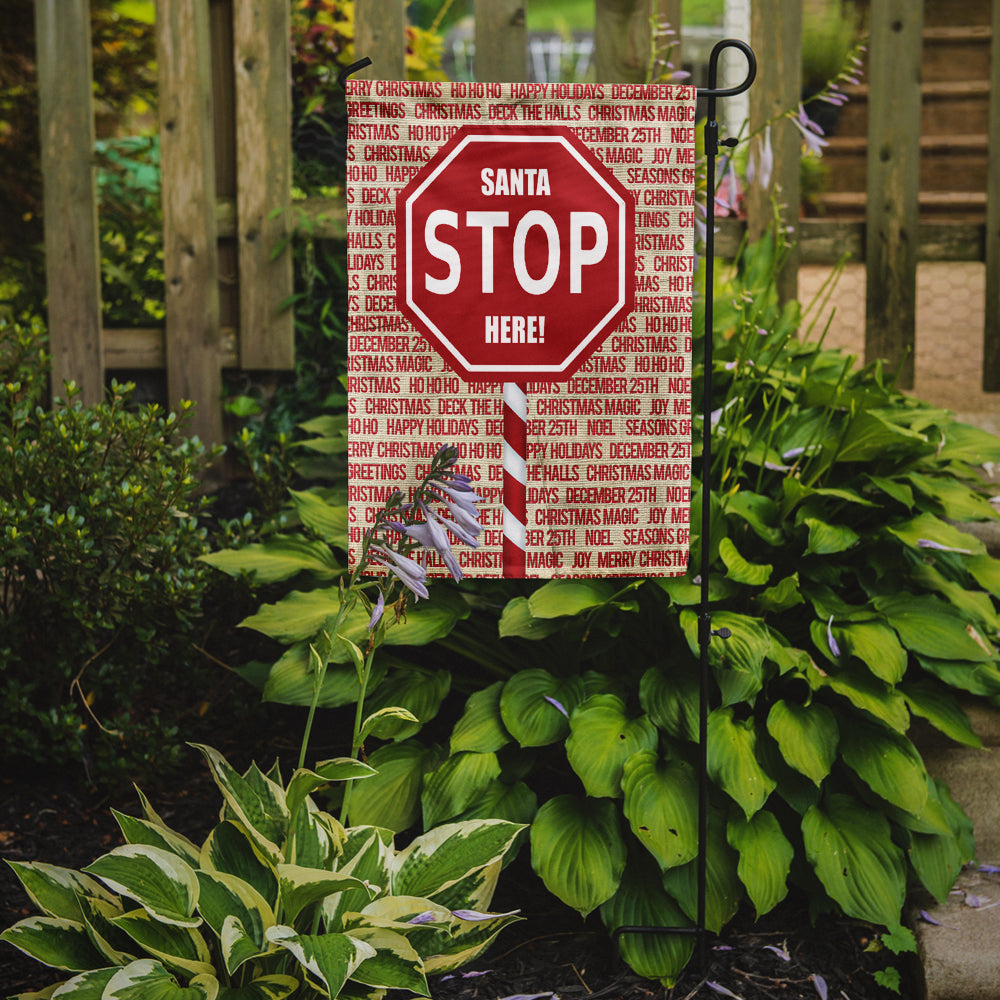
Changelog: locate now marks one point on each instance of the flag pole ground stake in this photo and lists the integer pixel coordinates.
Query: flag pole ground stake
(705, 631)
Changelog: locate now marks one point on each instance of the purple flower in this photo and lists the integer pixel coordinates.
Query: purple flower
(427, 917)
(811, 132)
(408, 571)
(780, 952)
(761, 163)
(834, 648)
(466, 519)
(927, 543)
(475, 915)
(820, 983)
(558, 705)
(719, 988)
(377, 611)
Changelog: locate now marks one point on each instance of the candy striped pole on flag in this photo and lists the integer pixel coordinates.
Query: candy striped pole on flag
(515, 478)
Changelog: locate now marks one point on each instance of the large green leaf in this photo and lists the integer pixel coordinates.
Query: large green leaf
(273, 987)
(578, 851)
(329, 959)
(941, 709)
(417, 689)
(602, 738)
(976, 678)
(937, 860)
(56, 891)
(732, 760)
(671, 699)
(54, 941)
(924, 528)
(481, 728)
(163, 884)
(147, 979)
(783, 595)
(280, 557)
(739, 569)
(517, 621)
(640, 901)
(442, 857)
(723, 889)
(516, 803)
(850, 848)
(391, 798)
(456, 785)
(535, 706)
(758, 511)
(876, 646)
(765, 858)
(327, 520)
(807, 736)
(738, 660)
(888, 763)
(869, 436)
(957, 501)
(304, 782)
(931, 628)
(661, 806)
(559, 598)
(828, 539)
(864, 691)
(292, 680)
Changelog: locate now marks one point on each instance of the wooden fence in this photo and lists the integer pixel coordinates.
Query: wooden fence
(226, 161)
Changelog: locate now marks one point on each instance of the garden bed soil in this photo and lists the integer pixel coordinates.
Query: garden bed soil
(552, 951)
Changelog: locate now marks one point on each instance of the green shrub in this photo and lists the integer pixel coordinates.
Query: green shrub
(279, 900)
(99, 540)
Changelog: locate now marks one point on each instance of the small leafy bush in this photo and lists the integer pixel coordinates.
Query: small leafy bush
(280, 899)
(99, 578)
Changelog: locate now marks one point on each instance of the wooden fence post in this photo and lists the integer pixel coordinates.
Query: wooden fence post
(501, 41)
(380, 34)
(621, 40)
(72, 255)
(776, 35)
(991, 332)
(262, 61)
(190, 251)
(893, 183)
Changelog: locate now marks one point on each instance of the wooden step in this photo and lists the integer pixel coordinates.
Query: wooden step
(956, 206)
(947, 162)
(956, 53)
(940, 13)
(944, 104)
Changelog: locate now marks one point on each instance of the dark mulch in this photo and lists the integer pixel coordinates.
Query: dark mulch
(551, 951)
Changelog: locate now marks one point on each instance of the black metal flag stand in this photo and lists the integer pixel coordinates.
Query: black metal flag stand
(705, 631)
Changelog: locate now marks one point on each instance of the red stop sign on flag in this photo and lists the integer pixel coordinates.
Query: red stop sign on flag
(515, 252)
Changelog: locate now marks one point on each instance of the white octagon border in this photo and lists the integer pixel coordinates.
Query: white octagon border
(622, 250)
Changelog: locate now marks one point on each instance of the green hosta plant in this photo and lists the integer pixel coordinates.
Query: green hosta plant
(279, 900)
(855, 604)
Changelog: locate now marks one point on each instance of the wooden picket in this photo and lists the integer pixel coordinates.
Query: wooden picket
(226, 160)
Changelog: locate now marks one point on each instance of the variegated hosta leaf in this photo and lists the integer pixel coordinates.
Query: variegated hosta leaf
(258, 803)
(661, 805)
(807, 736)
(177, 947)
(329, 959)
(304, 782)
(578, 851)
(723, 889)
(274, 987)
(149, 980)
(888, 763)
(56, 891)
(395, 964)
(238, 945)
(86, 986)
(850, 847)
(160, 882)
(441, 857)
(225, 897)
(535, 706)
(54, 941)
(367, 853)
(315, 838)
(230, 849)
(391, 799)
(141, 831)
(765, 858)
(116, 946)
(732, 760)
(481, 727)
(642, 902)
(300, 887)
(602, 737)
(476, 890)
(466, 941)
(456, 784)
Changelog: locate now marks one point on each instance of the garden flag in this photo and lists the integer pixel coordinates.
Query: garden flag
(520, 281)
